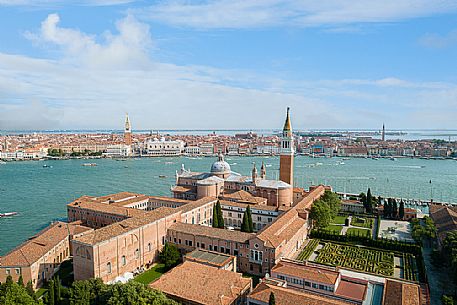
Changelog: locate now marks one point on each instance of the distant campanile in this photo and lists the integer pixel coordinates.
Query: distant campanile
(383, 134)
(127, 131)
(286, 161)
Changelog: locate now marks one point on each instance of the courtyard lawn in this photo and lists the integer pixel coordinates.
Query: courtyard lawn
(333, 229)
(357, 258)
(340, 220)
(358, 232)
(150, 275)
(362, 222)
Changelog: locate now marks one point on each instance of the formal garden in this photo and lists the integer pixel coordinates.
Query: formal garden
(360, 258)
(357, 258)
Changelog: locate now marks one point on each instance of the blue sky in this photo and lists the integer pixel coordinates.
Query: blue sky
(228, 64)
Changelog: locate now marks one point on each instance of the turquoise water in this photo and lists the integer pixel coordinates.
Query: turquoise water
(40, 194)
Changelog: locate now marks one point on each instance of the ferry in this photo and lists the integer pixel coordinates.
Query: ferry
(47, 166)
(8, 214)
(89, 164)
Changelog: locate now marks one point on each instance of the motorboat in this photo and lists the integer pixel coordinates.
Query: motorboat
(9, 214)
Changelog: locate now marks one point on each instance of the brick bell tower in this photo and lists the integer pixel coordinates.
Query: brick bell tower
(286, 161)
(127, 131)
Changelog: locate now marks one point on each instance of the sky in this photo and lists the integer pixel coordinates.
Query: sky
(228, 64)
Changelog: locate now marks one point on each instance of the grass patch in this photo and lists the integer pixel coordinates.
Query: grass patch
(150, 275)
(362, 222)
(340, 220)
(358, 232)
(333, 229)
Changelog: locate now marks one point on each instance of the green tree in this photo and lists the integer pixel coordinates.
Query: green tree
(363, 198)
(57, 289)
(447, 300)
(325, 209)
(249, 219)
(20, 281)
(12, 293)
(369, 202)
(87, 292)
(321, 214)
(220, 216)
(94, 292)
(271, 300)
(246, 224)
(386, 209)
(215, 217)
(51, 293)
(30, 290)
(394, 208)
(401, 210)
(169, 255)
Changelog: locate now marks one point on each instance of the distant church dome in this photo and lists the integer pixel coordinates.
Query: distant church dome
(220, 166)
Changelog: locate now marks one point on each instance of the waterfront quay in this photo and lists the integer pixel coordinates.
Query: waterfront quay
(33, 146)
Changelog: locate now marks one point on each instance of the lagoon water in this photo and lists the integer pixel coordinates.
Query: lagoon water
(40, 194)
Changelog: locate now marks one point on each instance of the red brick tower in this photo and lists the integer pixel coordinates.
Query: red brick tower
(127, 131)
(286, 161)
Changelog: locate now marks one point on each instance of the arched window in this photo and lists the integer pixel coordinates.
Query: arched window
(123, 260)
(137, 253)
(149, 247)
(108, 267)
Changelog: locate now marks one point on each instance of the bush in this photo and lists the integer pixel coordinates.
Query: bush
(170, 255)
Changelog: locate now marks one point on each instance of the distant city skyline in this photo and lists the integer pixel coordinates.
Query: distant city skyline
(226, 65)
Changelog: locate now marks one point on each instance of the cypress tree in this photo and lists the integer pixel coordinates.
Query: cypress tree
(215, 217)
(394, 208)
(272, 301)
(369, 200)
(57, 289)
(385, 212)
(9, 281)
(20, 281)
(30, 290)
(401, 211)
(220, 216)
(51, 293)
(389, 208)
(244, 223)
(249, 215)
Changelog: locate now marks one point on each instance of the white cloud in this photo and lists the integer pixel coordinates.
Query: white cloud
(304, 13)
(129, 47)
(432, 40)
(98, 78)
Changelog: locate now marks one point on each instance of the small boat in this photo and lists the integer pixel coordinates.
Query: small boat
(346, 158)
(393, 159)
(89, 164)
(8, 214)
(47, 166)
(162, 176)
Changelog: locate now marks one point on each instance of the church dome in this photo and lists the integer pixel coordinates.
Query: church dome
(220, 166)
